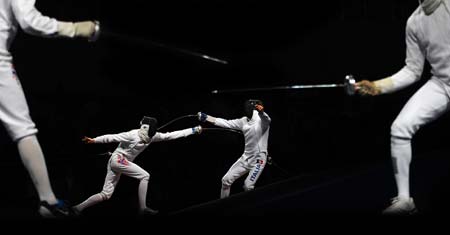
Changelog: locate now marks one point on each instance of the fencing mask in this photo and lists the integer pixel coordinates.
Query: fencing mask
(249, 106)
(429, 6)
(148, 128)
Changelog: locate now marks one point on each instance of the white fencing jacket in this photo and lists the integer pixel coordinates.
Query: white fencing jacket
(23, 14)
(256, 132)
(130, 145)
(427, 38)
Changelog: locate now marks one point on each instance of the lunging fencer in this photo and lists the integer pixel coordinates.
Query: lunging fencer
(255, 126)
(427, 38)
(131, 144)
(14, 112)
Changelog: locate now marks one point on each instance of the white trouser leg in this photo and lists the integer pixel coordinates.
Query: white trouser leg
(132, 170)
(92, 200)
(111, 180)
(427, 104)
(255, 172)
(14, 112)
(236, 171)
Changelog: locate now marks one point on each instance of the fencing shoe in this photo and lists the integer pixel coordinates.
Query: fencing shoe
(57, 210)
(148, 211)
(401, 206)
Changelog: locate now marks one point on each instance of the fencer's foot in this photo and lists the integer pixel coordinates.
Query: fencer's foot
(148, 211)
(58, 210)
(401, 206)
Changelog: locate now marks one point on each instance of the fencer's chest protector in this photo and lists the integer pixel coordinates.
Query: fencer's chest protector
(8, 30)
(432, 35)
(132, 149)
(256, 136)
(252, 129)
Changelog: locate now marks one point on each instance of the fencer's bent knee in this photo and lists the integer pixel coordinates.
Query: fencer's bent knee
(145, 176)
(401, 130)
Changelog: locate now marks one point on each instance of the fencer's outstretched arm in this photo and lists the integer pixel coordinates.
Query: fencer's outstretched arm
(235, 124)
(176, 134)
(111, 138)
(33, 22)
(411, 73)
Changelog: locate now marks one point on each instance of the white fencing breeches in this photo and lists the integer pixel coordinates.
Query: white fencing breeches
(426, 105)
(254, 167)
(117, 166)
(14, 112)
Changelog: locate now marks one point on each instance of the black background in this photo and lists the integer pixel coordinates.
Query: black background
(77, 89)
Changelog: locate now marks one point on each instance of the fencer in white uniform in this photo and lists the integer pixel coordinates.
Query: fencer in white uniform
(131, 144)
(255, 126)
(427, 38)
(14, 113)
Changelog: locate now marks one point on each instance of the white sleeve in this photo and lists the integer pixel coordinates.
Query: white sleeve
(265, 120)
(415, 60)
(31, 20)
(236, 124)
(111, 138)
(158, 137)
(264, 117)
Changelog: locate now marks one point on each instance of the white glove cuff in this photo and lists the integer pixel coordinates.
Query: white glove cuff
(210, 119)
(385, 85)
(66, 29)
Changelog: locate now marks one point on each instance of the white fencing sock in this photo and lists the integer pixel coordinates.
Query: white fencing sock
(33, 159)
(92, 200)
(142, 191)
(401, 157)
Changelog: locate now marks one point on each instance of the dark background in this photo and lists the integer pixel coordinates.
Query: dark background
(75, 88)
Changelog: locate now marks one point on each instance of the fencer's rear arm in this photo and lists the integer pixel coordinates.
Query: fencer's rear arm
(415, 60)
(33, 22)
(265, 118)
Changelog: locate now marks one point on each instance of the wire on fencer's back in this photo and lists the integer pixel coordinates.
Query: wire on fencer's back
(176, 119)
